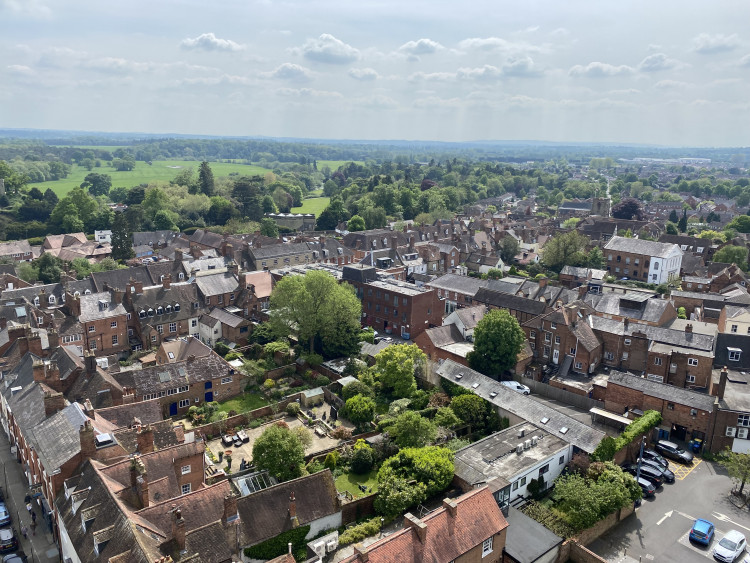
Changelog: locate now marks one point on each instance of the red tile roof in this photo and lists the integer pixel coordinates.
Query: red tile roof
(446, 537)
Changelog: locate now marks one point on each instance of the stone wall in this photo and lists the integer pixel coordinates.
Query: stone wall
(216, 428)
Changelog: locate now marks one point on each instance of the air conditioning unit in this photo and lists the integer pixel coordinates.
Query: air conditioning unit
(320, 549)
(519, 448)
(331, 545)
(534, 441)
(527, 444)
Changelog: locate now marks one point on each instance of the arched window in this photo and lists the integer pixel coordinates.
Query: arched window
(51, 300)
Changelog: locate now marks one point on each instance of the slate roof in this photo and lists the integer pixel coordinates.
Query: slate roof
(576, 205)
(161, 378)
(217, 284)
(148, 412)
(186, 294)
(164, 436)
(57, 439)
(460, 284)
(119, 278)
(658, 334)
(444, 335)
(279, 250)
(524, 406)
(15, 247)
(470, 316)
(527, 540)
(663, 391)
(265, 514)
(513, 302)
(227, 318)
(92, 311)
(736, 341)
(477, 518)
(29, 293)
(154, 238)
(650, 309)
(640, 246)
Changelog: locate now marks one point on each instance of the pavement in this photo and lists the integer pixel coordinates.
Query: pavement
(658, 530)
(39, 548)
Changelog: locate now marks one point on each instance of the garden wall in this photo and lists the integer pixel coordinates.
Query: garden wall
(216, 428)
(573, 550)
(357, 509)
(279, 372)
(332, 398)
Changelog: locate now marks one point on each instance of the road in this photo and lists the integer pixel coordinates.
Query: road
(658, 530)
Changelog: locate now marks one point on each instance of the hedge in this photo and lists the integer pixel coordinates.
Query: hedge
(548, 518)
(279, 545)
(606, 449)
(360, 531)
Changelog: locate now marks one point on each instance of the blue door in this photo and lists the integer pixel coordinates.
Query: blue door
(173, 409)
(209, 396)
(208, 384)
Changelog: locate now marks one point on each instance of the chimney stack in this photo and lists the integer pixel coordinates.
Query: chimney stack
(3, 323)
(411, 521)
(178, 528)
(86, 436)
(293, 511)
(53, 339)
(166, 281)
(394, 242)
(146, 440)
(230, 509)
(543, 282)
(688, 328)
(179, 432)
(53, 402)
(89, 360)
(451, 508)
(723, 382)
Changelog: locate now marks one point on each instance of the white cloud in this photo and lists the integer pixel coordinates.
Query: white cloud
(421, 47)
(290, 71)
(433, 76)
(670, 85)
(708, 44)
(657, 62)
(745, 61)
(209, 42)
(307, 93)
(224, 79)
(328, 49)
(521, 67)
(20, 69)
(376, 101)
(363, 74)
(33, 8)
(498, 44)
(600, 70)
(486, 73)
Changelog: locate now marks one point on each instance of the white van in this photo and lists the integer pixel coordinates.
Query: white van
(517, 387)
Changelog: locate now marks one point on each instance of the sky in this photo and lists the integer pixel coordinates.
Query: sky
(659, 72)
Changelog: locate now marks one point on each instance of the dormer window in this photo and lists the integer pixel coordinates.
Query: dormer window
(181, 276)
(168, 309)
(160, 310)
(176, 307)
(150, 312)
(51, 300)
(141, 314)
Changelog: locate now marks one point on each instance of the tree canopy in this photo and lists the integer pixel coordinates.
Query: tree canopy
(280, 451)
(628, 208)
(737, 465)
(360, 409)
(395, 368)
(412, 430)
(323, 313)
(565, 249)
(498, 339)
(732, 255)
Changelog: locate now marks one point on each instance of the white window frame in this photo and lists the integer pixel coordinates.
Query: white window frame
(657, 361)
(693, 362)
(743, 420)
(115, 340)
(734, 356)
(690, 378)
(172, 327)
(627, 342)
(185, 469)
(92, 328)
(225, 380)
(487, 547)
(113, 324)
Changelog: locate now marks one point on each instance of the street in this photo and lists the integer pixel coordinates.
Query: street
(39, 548)
(658, 531)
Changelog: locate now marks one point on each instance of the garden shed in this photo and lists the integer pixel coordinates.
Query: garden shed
(312, 397)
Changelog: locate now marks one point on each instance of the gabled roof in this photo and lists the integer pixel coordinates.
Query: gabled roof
(657, 334)
(57, 438)
(227, 318)
(148, 412)
(99, 306)
(446, 537)
(217, 284)
(640, 246)
(262, 282)
(663, 391)
(460, 284)
(513, 302)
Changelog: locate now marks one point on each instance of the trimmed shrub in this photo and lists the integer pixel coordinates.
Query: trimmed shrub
(359, 532)
(278, 546)
(293, 408)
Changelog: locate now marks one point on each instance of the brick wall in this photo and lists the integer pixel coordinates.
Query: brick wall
(361, 507)
(215, 428)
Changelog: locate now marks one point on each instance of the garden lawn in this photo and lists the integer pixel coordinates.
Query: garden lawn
(164, 170)
(243, 403)
(349, 482)
(314, 205)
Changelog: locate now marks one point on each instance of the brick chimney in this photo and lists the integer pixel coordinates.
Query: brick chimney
(293, 511)
(234, 268)
(3, 323)
(89, 362)
(230, 509)
(53, 339)
(361, 552)
(723, 382)
(688, 328)
(543, 282)
(451, 508)
(394, 242)
(73, 302)
(179, 432)
(138, 287)
(43, 302)
(88, 445)
(411, 521)
(53, 402)
(166, 281)
(146, 440)
(435, 236)
(178, 527)
(411, 244)
(117, 295)
(30, 342)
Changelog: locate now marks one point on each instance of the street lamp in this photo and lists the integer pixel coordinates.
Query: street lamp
(640, 459)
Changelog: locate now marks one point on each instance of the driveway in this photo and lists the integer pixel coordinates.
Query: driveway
(659, 528)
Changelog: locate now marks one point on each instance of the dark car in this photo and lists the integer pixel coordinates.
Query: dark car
(673, 451)
(656, 457)
(654, 476)
(666, 473)
(8, 541)
(647, 487)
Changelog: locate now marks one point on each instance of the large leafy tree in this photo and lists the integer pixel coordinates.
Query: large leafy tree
(332, 215)
(470, 409)
(412, 430)
(732, 255)
(396, 494)
(356, 223)
(509, 248)
(322, 312)
(97, 184)
(628, 208)
(248, 192)
(498, 339)
(431, 465)
(360, 409)
(565, 249)
(269, 228)
(279, 451)
(395, 368)
(737, 465)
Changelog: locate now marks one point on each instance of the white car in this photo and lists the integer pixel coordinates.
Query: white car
(730, 546)
(517, 387)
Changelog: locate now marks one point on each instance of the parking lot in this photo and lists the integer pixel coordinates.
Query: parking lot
(658, 531)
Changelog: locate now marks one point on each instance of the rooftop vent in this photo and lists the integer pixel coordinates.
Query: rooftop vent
(475, 386)
(493, 394)
(459, 376)
(545, 420)
(564, 429)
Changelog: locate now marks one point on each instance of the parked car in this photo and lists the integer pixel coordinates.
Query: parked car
(655, 476)
(17, 557)
(702, 531)
(8, 541)
(730, 547)
(4, 514)
(655, 456)
(517, 387)
(673, 451)
(647, 487)
(666, 473)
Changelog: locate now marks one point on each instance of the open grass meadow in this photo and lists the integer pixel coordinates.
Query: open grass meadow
(314, 205)
(143, 173)
(335, 164)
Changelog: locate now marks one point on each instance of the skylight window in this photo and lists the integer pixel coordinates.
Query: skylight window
(563, 430)
(545, 420)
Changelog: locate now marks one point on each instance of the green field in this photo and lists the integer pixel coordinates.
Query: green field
(312, 205)
(110, 148)
(349, 482)
(143, 173)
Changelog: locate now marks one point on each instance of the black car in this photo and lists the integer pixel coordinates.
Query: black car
(668, 475)
(673, 451)
(8, 541)
(656, 457)
(647, 487)
(654, 476)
